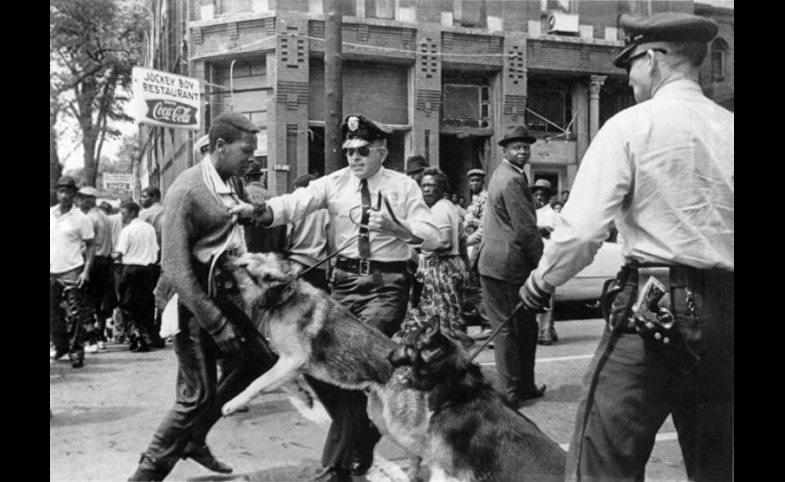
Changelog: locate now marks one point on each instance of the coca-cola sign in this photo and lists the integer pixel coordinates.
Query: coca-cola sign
(171, 112)
(166, 100)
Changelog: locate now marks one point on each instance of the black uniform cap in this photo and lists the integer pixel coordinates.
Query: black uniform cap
(359, 128)
(663, 27)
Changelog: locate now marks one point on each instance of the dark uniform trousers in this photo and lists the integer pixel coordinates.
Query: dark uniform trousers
(633, 385)
(200, 396)
(515, 347)
(379, 300)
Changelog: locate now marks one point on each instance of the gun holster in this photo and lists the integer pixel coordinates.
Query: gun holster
(659, 318)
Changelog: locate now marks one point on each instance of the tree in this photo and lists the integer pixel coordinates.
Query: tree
(55, 168)
(93, 47)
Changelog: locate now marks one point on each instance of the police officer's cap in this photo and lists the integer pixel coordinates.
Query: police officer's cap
(475, 172)
(663, 27)
(358, 131)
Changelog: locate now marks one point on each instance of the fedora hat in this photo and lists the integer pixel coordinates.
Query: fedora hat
(542, 185)
(517, 133)
(67, 181)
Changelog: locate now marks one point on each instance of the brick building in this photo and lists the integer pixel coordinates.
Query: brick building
(448, 75)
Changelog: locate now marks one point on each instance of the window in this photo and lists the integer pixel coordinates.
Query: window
(380, 9)
(466, 105)
(347, 8)
(560, 5)
(548, 110)
(719, 60)
(469, 13)
(229, 7)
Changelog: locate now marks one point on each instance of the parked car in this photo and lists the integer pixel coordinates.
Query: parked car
(587, 285)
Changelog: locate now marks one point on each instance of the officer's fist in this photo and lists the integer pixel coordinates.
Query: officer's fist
(535, 295)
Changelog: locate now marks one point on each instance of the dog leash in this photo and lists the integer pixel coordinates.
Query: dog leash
(514, 313)
(328, 258)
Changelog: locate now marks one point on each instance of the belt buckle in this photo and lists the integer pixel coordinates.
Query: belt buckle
(365, 267)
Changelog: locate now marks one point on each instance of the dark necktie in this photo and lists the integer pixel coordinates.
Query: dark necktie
(364, 244)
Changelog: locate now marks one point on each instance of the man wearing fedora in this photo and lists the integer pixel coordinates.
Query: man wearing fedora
(663, 169)
(71, 253)
(510, 249)
(415, 166)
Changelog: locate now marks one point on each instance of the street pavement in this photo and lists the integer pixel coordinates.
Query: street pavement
(105, 415)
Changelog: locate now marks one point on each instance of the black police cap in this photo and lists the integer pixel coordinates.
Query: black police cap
(664, 27)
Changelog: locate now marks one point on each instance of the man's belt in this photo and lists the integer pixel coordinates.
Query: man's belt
(364, 267)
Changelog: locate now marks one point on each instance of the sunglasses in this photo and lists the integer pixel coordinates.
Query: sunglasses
(363, 151)
(635, 57)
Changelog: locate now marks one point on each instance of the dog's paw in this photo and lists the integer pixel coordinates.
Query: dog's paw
(233, 406)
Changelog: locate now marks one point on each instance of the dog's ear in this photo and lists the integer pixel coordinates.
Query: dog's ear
(432, 329)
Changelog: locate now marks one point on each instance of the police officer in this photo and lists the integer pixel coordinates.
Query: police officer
(664, 171)
(371, 277)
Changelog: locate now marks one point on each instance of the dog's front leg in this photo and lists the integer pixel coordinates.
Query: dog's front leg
(284, 371)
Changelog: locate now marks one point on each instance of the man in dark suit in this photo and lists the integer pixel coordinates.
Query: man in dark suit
(511, 248)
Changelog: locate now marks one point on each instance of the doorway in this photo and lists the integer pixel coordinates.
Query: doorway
(457, 155)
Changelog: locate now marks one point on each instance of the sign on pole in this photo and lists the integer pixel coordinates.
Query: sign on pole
(118, 182)
(166, 100)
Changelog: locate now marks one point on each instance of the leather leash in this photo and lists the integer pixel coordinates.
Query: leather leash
(514, 313)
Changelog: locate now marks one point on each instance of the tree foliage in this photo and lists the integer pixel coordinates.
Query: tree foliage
(94, 45)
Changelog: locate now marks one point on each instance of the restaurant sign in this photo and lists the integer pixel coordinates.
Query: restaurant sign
(166, 100)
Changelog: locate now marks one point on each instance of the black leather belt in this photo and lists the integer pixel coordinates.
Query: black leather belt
(365, 267)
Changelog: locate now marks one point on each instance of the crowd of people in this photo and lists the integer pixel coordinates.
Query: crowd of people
(103, 267)
(411, 248)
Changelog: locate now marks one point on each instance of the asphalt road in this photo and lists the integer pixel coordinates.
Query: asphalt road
(106, 413)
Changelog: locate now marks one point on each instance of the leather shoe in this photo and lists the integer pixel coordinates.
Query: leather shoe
(334, 474)
(539, 391)
(205, 458)
(362, 464)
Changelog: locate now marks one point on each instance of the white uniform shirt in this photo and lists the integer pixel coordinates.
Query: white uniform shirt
(664, 171)
(67, 234)
(138, 244)
(339, 193)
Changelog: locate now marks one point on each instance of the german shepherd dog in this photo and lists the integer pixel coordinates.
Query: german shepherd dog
(315, 335)
(473, 434)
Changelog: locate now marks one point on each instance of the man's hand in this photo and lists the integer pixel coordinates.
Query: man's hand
(243, 210)
(536, 294)
(228, 340)
(83, 279)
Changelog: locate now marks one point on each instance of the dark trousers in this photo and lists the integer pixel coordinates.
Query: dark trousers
(137, 302)
(101, 292)
(70, 314)
(200, 395)
(631, 388)
(515, 347)
(379, 301)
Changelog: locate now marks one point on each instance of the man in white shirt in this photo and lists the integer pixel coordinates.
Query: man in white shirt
(664, 171)
(137, 252)
(71, 253)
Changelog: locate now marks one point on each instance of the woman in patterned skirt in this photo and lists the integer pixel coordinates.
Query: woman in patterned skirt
(444, 270)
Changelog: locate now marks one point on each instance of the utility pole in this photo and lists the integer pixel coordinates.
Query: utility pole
(333, 87)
